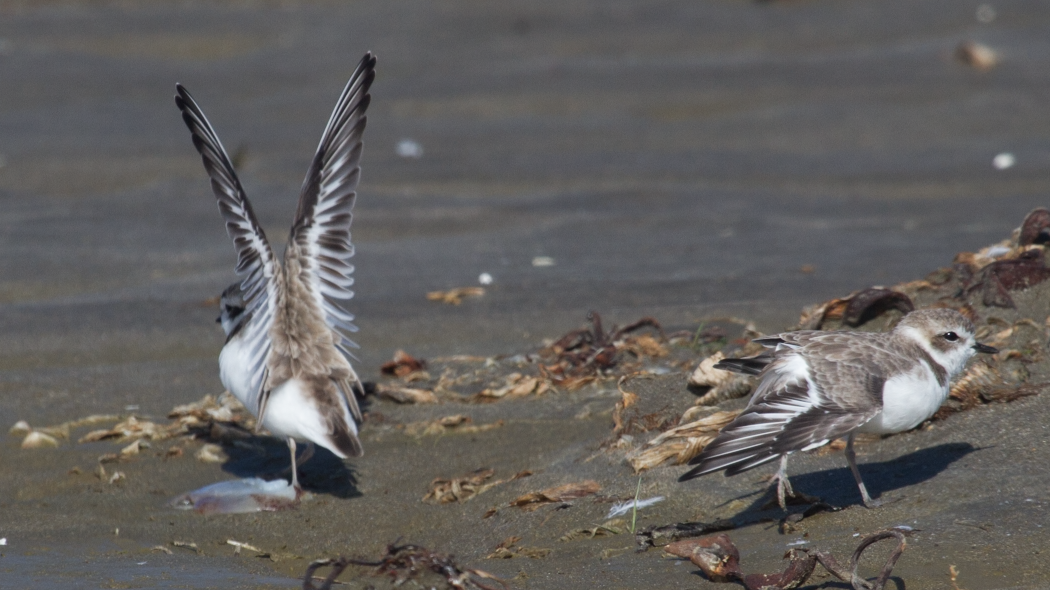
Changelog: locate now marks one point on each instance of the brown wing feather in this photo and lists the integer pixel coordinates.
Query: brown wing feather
(785, 415)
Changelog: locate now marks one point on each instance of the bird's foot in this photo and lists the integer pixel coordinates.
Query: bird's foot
(869, 503)
(784, 496)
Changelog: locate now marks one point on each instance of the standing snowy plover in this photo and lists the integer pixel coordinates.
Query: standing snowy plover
(819, 386)
(286, 353)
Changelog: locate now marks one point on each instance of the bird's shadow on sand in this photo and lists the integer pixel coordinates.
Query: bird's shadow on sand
(838, 488)
(267, 457)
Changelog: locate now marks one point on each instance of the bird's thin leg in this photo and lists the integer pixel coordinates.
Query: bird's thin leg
(851, 458)
(783, 484)
(295, 474)
(308, 452)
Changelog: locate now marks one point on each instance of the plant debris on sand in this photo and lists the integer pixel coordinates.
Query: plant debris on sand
(579, 358)
(210, 418)
(562, 493)
(406, 562)
(719, 559)
(461, 489)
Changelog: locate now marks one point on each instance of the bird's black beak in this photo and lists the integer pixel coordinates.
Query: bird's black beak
(218, 320)
(985, 348)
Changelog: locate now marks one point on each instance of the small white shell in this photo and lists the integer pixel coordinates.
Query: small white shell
(211, 453)
(39, 440)
(21, 428)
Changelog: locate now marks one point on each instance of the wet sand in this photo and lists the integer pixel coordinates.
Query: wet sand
(680, 161)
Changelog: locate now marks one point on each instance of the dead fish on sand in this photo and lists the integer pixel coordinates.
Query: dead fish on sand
(240, 495)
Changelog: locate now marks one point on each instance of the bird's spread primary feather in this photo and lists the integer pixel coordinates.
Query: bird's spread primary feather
(287, 355)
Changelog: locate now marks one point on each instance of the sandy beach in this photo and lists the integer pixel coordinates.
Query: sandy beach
(722, 164)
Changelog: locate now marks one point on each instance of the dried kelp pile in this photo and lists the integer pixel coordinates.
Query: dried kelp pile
(186, 420)
(211, 420)
(584, 356)
(461, 489)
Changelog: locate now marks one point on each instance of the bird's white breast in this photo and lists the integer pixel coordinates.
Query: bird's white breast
(234, 371)
(907, 400)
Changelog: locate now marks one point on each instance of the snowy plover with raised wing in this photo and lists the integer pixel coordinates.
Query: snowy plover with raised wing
(819, 386)
(287, 334)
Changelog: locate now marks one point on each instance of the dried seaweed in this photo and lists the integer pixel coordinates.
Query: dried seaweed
(562, 493)
(514, 385)
(717, 385)
(405, 395)
(48, 436)
(616, 526)
(191, 419)
(457, 423)
(658, 536)
(1035, 229)
(509, 549)
(460, 489)
(578, 358)
(581, 356)
(681, 443)
(455, 296)
(225, 408)
(402, 563)
(719, 559)
(871, 303)
(627, 400)
(855, 309)
(995, 281)
(132, 428)
(402, 364)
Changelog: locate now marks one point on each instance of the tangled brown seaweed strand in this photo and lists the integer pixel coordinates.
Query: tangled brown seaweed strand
(856, 308)
(461, 489)
(402, 364)
(581, 356)
(337, 565)
(719, 559)
(402, 563)
(659, 536)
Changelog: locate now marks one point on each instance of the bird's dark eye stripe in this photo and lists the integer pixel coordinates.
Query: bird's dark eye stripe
(950, 336)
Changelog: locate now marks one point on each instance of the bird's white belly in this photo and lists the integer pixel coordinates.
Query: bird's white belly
(907, 400)
(291, 412)
(234, 364)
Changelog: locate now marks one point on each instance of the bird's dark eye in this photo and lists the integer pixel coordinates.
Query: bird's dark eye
(950, 336)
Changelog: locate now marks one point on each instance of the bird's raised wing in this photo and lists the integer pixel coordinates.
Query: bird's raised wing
(255, 261)
(320, 235)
